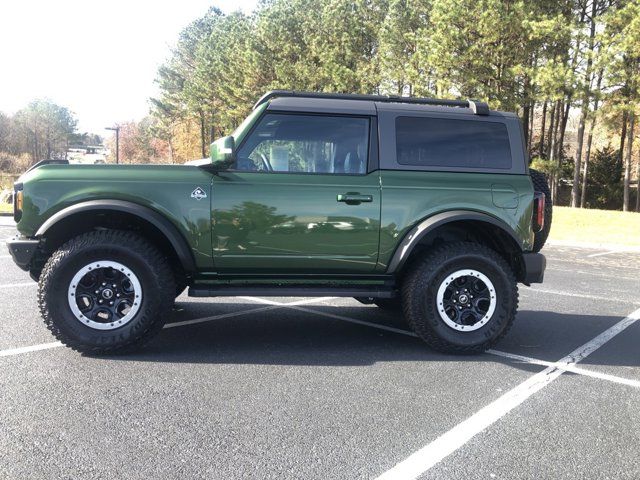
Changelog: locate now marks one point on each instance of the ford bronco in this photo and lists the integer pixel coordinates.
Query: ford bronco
(424, 206)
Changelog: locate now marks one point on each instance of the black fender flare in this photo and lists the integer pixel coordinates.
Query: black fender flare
(168, 229)
(411, 239)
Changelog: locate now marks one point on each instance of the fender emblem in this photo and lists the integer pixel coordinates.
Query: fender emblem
(198, 194)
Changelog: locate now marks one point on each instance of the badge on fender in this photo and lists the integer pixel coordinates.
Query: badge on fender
(198, 194)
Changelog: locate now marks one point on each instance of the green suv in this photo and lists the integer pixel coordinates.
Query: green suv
(420, 205)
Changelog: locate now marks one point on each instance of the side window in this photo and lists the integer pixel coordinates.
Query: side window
(444, 142)
(306, 144)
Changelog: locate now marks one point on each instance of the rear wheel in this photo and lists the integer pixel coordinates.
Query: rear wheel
(105, 292)
(540, 184)
(460, 298)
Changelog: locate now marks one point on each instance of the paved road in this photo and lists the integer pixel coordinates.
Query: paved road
(328, 388)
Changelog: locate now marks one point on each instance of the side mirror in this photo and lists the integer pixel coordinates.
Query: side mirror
(223, 152)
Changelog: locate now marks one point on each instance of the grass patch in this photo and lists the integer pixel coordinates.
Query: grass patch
(6, 207)
(586, 226)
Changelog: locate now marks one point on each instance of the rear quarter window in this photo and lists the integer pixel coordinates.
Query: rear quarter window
(445, 142)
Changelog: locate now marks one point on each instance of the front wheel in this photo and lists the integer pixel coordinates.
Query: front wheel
(460, 298)
(105, 292)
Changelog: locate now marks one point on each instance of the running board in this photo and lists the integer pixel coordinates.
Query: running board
(291, 291)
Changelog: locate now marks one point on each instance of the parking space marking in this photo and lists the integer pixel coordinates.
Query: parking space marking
(296, 302)
(603, 253)
(33, 348)
(272, 306)
(295, 305)
(275, 305)
(499, 353)
(218, 317)
(443, 446)
(353, 320)
(597, 274)
(567, 368)
(576, 295)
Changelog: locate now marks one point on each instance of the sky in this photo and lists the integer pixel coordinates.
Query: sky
(97, 58)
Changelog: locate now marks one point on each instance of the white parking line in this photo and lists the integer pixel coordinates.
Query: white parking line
(45, 346)
(353, 320)
(33, 348)
(576, 295)
(567, 368)
(272, 306)
(218, 317)
(602, 253)
(499, 353)
(431, 454)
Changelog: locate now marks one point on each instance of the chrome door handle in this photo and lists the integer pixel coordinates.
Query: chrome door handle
(354, 198)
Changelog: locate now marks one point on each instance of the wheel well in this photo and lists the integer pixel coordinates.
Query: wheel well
(86, 221)
(477, 231)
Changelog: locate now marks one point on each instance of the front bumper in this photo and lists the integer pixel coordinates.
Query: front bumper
(534, 265)
(22, 250)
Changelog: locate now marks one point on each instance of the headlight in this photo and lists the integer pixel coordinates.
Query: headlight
(18, 201)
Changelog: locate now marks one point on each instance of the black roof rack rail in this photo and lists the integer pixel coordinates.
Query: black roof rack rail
(477, 107)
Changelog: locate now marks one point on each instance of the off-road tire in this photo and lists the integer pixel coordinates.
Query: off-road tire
(138, 255)
(540, 184)
(419, 294)
(389, 304)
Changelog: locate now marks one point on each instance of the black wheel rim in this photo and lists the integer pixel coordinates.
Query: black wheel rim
(466, 300)
(105, 295)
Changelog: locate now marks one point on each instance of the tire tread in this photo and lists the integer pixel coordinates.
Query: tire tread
(419, 274)
(104, 238)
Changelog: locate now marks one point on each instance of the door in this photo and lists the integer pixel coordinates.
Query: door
(299, 198)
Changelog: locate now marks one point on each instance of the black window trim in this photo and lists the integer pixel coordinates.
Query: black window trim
(372, 153)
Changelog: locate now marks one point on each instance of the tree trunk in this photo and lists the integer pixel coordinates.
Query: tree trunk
(532, 115)
(560, 143)
(553, 140)
(551, 130)
(586, 98)
(638, 186)
(526, 112)
(203, 141)
(578, 165)
(623, 136)
(35, 147)
(587, 156)
(170, 142)
(544, 121)
(563, 129)
(627, 162)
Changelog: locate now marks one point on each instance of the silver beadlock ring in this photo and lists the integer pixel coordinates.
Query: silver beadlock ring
(469, 305)
(134, 292)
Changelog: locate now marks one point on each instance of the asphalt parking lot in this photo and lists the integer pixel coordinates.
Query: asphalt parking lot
(328, 388)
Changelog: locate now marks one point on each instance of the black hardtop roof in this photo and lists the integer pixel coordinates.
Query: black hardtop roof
(476, 107)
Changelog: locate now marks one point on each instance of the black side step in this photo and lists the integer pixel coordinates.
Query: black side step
(291, 291)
